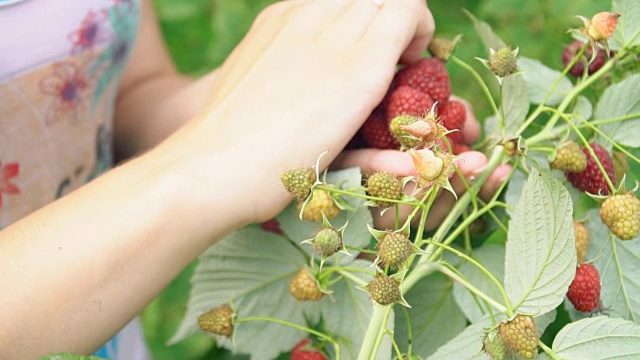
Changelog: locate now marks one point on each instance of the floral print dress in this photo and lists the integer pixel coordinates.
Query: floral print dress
(60, 63)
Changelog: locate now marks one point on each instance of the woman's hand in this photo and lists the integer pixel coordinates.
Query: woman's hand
(302, 82)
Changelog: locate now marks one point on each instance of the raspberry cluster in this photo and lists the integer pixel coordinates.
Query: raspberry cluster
(415, 90)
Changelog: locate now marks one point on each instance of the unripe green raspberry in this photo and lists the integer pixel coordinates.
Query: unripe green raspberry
(327, 242)
(384, 185)
(394, 249)
(520, 335)
(320, 203)
(384, 290)
(441, 48)
(621, 213)
(218, 321)
(503, 62)
(303, 287)
(405, 139)
(299, 181)
(494, 346)
(570, 158)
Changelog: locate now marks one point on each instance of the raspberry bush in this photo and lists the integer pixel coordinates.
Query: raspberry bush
(497, 278)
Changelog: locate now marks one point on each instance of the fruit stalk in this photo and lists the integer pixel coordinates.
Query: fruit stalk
(381, 314)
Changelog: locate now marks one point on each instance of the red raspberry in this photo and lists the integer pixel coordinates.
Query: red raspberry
(427, 75)
(591, 179)
(272, 226)
(406, 100)
(454, 115)
(577, 69)
(584, 291)
(304, 351)
(376, 134)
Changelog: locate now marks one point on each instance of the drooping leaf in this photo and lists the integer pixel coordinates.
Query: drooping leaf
(539, 79)
(628, 24)
(515, 102)
(356, 233)
(598, 338)
(541, 255)
(434, 316)
(620, 100)
(492, 258)
(488, 37)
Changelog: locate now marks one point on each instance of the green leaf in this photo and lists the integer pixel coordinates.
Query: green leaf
(252, 268)
(356, 233)
(434, 316)
(541, 254)
(583, 108)
(488, 37)
(468, 344)
(618, 263)
(492, 258)
(539, 79)
(598, 338)
(515, 102)
(619, 100)
(628, 24)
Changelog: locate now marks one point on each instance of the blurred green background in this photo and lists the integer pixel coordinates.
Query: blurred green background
(201, 33)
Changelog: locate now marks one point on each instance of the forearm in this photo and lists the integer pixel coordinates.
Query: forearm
(76, 271)
(152, 108)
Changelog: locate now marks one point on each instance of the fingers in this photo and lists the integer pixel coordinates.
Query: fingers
(371, 160)
(470, 165)
(403, 28)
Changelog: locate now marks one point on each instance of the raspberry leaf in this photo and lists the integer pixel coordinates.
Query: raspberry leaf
(434, 316)
(628, 24)
(538, 77)
(541, 254)
(241, 269)
(598, 338)
(583, 108)
(515, 102)
(488, 37)
(621, 100)
(490, 256)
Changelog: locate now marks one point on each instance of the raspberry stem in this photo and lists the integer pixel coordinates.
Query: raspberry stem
(455, 277)
(478, 78)
(506, 308)
(295, 326)
(552, 354)
(362, 196)
(592, 126)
